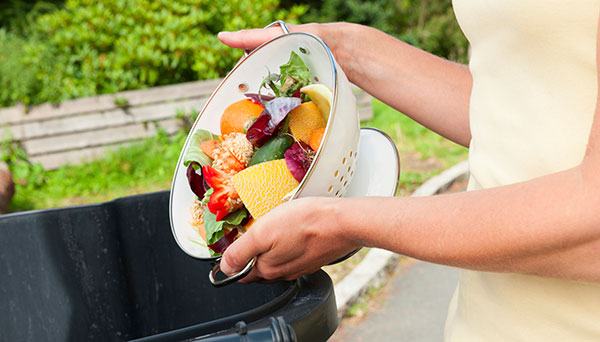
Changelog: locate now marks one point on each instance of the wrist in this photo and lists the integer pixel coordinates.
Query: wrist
(346, 220)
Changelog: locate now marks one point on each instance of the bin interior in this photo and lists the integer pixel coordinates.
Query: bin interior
(111, 272)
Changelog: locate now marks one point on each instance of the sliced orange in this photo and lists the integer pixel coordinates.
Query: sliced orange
(237, 114)
(263, 186)
(304, 119)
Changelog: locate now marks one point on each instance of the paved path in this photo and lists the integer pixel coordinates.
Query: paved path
(412, 307)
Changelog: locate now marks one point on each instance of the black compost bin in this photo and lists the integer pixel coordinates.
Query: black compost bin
(113, 272)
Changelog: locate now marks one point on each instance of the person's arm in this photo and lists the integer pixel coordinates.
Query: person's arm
(431, 90)
(548, 226)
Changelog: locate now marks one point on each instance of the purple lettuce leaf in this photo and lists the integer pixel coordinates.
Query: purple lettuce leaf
(258, 98)
(271, 119)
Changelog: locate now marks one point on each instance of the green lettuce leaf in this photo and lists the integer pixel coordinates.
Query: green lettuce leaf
(292, 76)
(214, 228)
(206, 197)
(194, 153)
(294, 68)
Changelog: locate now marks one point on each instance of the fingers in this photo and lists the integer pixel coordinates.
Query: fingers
(248, 39)
(240, 252)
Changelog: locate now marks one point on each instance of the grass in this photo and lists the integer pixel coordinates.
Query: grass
(144, 167)
(149, 166)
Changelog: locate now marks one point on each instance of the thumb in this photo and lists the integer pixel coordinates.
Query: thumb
(239, 254)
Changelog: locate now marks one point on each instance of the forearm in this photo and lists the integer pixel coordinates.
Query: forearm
(431, 90)
(548, 226)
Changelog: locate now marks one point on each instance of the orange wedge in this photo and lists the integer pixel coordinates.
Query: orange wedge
(305, 119)
(263, 186)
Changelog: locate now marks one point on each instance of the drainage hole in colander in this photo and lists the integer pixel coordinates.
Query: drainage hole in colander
(337, 193)
(345, 184)
(349, 167)
(344, 160)
(342, 179)
(351, 173)
(335, 173)
(330, 188)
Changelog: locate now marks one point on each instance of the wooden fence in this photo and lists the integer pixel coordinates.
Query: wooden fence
(79, 130)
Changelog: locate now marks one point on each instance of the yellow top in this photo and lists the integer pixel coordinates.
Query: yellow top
(534, 91)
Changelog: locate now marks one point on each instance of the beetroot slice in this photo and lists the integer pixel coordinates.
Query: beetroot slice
(224, 242)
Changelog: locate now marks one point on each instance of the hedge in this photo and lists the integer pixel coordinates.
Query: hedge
(91, 47)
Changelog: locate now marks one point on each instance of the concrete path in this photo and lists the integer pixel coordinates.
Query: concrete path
(412, 307)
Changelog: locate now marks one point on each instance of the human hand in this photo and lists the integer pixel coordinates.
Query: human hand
(294, 239)
(250, 39)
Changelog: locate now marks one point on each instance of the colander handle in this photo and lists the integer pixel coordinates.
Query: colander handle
(217, 267)
(281, 24)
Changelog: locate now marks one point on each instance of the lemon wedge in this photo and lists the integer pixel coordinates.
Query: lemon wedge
(321, 96)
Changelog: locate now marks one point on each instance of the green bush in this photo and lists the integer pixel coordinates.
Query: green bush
(97, 47)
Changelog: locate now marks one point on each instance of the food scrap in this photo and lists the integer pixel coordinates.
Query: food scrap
(266, 145)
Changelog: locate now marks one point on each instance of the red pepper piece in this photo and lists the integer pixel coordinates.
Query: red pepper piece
(220, 202)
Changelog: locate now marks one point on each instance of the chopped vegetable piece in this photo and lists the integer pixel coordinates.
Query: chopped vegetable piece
(298, 159)
(315, 138)
(208, 147)
(195, 179)
(194, 152)
(224, 242)
(271, 120)
(224, 199)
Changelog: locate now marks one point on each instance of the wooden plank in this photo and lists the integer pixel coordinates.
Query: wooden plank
(11, 114)
(170, 92)
(96, 138)
(75, 157)
(46, 111)
(100, 120)
(55, 160)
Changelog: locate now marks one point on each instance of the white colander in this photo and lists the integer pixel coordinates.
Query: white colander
(333, 168)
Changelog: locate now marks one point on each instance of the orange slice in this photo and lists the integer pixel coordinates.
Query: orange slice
(263, 186)
(237, 114)
(305, 119)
